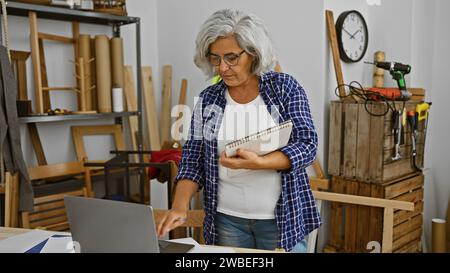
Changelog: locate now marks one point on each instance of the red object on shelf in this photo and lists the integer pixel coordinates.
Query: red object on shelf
(163, 156)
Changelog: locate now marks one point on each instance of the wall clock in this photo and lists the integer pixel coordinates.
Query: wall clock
(352, 35)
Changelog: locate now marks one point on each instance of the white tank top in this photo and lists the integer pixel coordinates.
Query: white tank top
(254, 194)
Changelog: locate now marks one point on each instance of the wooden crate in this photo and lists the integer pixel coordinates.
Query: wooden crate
(353, 227)
(361, 145)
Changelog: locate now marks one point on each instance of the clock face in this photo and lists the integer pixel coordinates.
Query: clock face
(353, 37)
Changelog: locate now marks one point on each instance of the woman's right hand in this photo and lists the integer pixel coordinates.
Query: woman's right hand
(170, 220)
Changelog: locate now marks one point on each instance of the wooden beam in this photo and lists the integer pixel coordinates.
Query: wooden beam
(11, 199)
(364, 201)
(34, 41)
(44, 79)
(76, 55)
(319, 183)
(55, 38)
(36, 142)
(166, 104)
(131, 103)
(150, 109)
(388, 229)
(332, 37)
(181, 105)
(20, 57)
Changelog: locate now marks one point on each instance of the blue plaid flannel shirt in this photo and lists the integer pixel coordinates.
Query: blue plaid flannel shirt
(296, 211)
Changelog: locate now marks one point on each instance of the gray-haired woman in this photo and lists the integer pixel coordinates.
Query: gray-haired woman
(271, 205)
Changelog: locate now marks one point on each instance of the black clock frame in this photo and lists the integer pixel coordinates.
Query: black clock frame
(339, 23)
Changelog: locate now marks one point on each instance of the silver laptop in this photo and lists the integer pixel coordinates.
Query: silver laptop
(99, 225)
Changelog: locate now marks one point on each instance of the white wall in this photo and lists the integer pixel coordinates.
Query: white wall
(438, 147)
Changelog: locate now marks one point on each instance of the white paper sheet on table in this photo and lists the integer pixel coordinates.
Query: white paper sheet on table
(24, 242)
(203, 248)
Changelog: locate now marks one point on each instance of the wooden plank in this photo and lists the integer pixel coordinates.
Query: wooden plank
(76, 56)
(363, 225)
(166, 104)
(414, 196)
(335, 139)
(94, 98)
(376, 216)
(402, 216)
(55, 38)
(39, 106)
(350, 139)
(49, 206)
(8, 199)
(402, 241)
(22, 80)
(362, 146)
(56, 170)
(388, 231)
(363, 201)
(15, 201)
(412, 247)
(47, 214)
(131, 103)
(351, 218)
(376, 143)
(319, 171)
(64, 226)
(36, 142)
(20, 58)
(150, 109)
(336, 220)
(56, 197)
(397, 189)
(44, 79)
(179, 114)
(332, 37)
(418, 94)
(50, 221)
(407, 226)
(319, 184)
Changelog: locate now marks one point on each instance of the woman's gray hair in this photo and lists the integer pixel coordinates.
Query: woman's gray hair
(249, 32)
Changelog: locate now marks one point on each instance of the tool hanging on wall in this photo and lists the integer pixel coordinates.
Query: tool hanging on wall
(412, 120)
(397, 129)
(422, 114)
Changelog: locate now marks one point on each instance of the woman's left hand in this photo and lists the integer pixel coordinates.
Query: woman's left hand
(244, 159)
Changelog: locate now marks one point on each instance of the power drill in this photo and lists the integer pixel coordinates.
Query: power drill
(398, 72)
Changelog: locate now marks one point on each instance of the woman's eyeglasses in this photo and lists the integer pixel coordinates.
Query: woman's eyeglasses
(231, 59)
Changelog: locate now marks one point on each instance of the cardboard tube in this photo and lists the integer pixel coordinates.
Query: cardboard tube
(85, 53)
(103, 72)
(117, 61)
(378, 74)
(438, 242)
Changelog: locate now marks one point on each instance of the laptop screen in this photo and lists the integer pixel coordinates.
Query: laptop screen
(99, 225)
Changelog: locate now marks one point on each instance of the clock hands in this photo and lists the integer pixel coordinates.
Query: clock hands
(353, 36)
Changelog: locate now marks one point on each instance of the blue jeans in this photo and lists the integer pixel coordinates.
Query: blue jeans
(250, 233)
